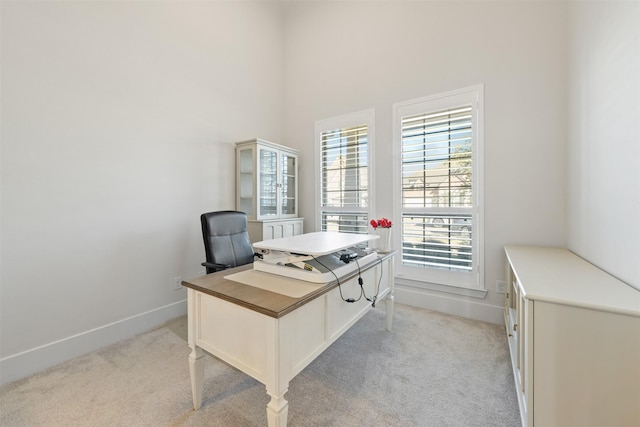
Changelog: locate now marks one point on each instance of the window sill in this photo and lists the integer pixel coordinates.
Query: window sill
(451, 289)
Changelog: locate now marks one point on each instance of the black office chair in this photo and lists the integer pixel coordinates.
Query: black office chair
(226, 240)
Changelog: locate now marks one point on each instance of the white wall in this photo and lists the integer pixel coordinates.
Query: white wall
(343, 57)
(604, 136)
(118, 123)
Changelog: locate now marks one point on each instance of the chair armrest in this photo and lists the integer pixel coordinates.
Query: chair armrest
(214, 266)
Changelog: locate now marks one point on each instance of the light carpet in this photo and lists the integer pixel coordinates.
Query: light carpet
(433, 369)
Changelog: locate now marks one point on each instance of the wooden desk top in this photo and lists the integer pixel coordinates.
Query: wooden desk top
(266, 302)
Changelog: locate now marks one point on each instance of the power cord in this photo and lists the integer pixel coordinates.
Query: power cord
(360, 282)
(349, 300)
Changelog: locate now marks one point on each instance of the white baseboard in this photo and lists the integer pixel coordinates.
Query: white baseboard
(450, 305)
(29, 362)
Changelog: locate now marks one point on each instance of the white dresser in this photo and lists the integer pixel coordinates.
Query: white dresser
(574, 337)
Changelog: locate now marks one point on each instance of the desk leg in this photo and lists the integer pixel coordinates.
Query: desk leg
(277, 410)
(389, 307)
(196, 367)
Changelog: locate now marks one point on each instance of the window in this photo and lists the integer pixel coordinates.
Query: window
(439, 186)
(344, 147)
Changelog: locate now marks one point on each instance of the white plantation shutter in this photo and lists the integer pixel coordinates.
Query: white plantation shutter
(436, 159)
(344, 175)
(438, 195)
(437, 189)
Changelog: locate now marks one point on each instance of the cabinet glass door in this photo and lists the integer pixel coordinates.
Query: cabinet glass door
(245, 181)
(288, 185)
(267, 184)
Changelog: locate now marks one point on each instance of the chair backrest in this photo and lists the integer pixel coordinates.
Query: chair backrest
(226, 239)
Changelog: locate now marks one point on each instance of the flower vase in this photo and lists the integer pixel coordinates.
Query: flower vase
(384, 242)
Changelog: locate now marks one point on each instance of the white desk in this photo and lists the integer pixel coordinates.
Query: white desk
(272, 336)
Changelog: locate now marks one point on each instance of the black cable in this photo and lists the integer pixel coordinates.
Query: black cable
(378, 288)
(349, 300)
(361, 282)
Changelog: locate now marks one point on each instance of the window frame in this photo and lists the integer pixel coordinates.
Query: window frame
(360, 118)
(435, 278)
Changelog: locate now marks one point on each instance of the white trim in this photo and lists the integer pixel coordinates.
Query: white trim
(418, 297)
(29, 362)
(450, 289)
(367, 117)
(474, 95)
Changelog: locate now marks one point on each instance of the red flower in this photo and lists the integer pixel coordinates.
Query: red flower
(384, 223)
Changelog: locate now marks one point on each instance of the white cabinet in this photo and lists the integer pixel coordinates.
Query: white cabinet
(267, 188)
(274, 229)
(574, 338)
